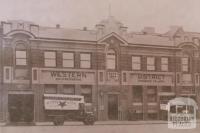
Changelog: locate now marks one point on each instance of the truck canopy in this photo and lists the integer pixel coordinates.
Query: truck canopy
(62, 102)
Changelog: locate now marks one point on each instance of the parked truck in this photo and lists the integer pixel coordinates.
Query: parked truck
(60, 108)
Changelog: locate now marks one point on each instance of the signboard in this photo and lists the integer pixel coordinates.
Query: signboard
(163, 107)
(112, 78)
(62, 77)
(62, 102)
(143, 78)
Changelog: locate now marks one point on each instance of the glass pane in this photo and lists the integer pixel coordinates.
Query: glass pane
(164, 60)
(69, 89)
(185, 68)
(21, 62)
(136, 66)
(164, 67)
(68, 63)
(150, 67)
(110, 56)
(21, 74)
(185, 60)
(68, 55)
(85, 56)
(50, 55)
(51, 63)
(20, 54)
(136, 59)
(50, 88)
(111, 64)
(150, 60)
(85, 64)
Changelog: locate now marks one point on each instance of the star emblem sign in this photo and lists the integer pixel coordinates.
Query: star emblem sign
(62, 104)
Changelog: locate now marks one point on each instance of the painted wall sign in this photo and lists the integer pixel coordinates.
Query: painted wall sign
(65, 77)
(112, 77)
(62, 102)
(142, 78)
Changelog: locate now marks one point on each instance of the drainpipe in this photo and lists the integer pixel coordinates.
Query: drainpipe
(175, 71)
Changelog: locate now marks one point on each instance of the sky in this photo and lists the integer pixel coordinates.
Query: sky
(135, 14)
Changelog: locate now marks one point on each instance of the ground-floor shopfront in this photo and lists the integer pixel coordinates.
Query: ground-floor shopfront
(134, 96)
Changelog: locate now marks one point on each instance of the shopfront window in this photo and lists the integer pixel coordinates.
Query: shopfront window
(85, 60)
(151, 93)
(137, 94)
(50, 89)
(151, 63)
(86, 91)
(164, 64)
(68, 59)
(111, 59)
(21, 57)
(50, 59)
(136, 62)
(69, 89)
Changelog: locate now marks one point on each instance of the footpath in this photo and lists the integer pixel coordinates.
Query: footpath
(69, 123)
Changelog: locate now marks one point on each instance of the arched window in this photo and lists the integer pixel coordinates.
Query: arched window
(111, 59)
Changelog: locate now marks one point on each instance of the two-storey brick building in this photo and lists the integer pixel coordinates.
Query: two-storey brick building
(124, 75)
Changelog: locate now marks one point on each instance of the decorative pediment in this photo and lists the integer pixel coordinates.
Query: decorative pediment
(113, 38)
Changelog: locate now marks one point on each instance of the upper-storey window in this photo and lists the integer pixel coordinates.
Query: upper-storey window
(185, 64)
(111, 59)
(164, 64)
(136, 62)
(50, 59)
(21, 57)
(85, 60)
(68, 59)
(151, 63)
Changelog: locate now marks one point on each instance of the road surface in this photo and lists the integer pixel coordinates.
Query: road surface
(143, 128)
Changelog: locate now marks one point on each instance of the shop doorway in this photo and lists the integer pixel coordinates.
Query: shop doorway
(113, 107)
(20, 107)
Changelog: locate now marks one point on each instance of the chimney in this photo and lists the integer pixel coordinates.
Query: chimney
(85, 28)
(123, 29)
(100, 28)
(148, 30)
(57, 26)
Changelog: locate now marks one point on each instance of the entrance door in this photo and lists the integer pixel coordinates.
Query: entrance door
(113, 107)
(20, 107)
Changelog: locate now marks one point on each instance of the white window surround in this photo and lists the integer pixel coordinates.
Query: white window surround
(68, 59)
(151, 63)
(111, 59)
(85, 60)
(164, 63)
(185, 64)
(50, 59)
(21, 57)
(136, 63)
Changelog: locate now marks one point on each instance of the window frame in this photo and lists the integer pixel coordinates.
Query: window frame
(86, 60)
(163, 64)
(109, 54)
(72, 59)
(50, 59)
(21, 58)
(136, 63)
(149, 65)
(183, 65)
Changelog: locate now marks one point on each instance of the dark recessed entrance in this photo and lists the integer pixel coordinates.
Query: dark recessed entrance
(20, 107)
(112, 107)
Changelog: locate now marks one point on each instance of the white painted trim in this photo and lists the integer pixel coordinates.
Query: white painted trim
(9, 80)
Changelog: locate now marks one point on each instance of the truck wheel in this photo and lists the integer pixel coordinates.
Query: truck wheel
(89, 120)
(58, 121)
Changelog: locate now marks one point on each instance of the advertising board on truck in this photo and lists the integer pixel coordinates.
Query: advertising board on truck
(62, 102)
